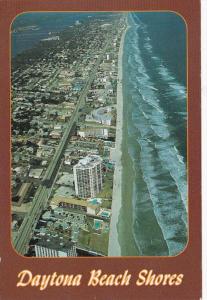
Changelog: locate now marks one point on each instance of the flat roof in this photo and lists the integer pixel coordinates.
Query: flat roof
(58, 243)
(58, 199)
(88, 161)
(36, 173)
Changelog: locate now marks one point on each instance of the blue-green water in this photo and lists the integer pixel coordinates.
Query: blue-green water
(154, 144)
(46, 23)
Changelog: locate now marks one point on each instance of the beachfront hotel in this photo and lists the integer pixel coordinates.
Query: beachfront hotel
(88, 176)
(50, 246)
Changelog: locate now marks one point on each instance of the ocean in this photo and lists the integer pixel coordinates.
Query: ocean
(153, 220)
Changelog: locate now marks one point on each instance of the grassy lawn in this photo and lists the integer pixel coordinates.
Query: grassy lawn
(94, 241)
(106, 204)
(107, 187)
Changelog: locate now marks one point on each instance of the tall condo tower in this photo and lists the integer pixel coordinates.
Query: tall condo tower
(88, 176)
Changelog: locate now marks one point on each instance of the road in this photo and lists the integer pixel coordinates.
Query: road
(43, 192)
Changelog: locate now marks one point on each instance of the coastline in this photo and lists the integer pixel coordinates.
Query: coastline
(114, 248)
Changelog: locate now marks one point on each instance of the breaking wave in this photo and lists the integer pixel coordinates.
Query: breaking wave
(160, 185)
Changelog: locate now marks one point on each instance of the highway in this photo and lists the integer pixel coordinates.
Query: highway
(43, 192)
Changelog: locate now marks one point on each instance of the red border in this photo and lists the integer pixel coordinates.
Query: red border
(189, 262)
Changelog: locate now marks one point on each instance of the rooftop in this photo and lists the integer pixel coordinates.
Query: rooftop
(55, 242)
(59, 199)
(88, 161)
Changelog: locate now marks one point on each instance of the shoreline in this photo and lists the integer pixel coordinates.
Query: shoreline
(114, 248)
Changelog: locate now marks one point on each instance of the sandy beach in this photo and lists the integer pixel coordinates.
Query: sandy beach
(114, 247)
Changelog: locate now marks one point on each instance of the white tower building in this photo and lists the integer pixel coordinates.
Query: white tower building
(88, 176)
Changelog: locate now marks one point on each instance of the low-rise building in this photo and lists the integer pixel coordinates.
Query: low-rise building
(58, 246)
